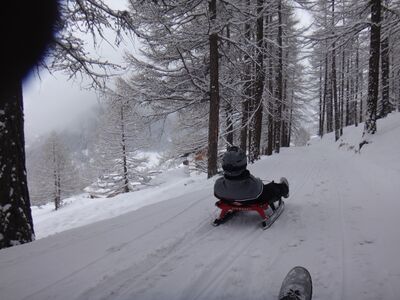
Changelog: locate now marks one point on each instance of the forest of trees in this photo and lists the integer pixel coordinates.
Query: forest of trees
(233, 72)
(230, 70)
(354, 62)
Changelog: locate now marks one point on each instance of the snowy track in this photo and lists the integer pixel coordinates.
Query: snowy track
(340, 222)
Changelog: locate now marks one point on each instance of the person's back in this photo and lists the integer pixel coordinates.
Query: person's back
(237, 184)
(242, 188)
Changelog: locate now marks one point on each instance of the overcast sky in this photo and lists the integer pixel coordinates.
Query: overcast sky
(54, 103)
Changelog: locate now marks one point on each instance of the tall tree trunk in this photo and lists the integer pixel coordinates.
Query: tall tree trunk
(252, 121)
(361, 76)
(271, 101)
(229, 110)
(124, 154)
(373, 73)
(284, 135)
(342, 93)
(279, 83)
(57, 194)
(244, 126)
(259, 84)
(357, 84)
(329, 101)
(352, 95)
(321, 104)
(58, 189)
(246, 92)
(335, 96)
(213, 125)
(229, 124)
(348, 109)
(291, 115)
(285, 109)
(385, 71)
(325, 106)
(334, 83)
(16, 226)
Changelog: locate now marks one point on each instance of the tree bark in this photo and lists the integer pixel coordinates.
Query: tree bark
(357, 84)
(229, 111)
(321, 104)
(385, 71)
(373, 73)
(259, 84)
(213, 126)
(271, 104)
(348, 106)
(334, 83)
(16, 226)
(247, 91)
(229, 124)
(57, 183)
(124, 154)
(279, 83)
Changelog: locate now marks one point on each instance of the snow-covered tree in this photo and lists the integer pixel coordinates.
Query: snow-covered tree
(347, 50)
(52, 175)
(121, 136)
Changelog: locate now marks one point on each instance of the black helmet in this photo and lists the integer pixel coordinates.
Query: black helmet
(234, 161)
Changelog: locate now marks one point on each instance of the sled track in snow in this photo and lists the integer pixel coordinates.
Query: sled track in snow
(113, 250)
(224, 261)
(120, 283)
(221, 263)
(343, 241)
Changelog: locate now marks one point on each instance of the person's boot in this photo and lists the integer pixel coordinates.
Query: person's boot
(285, 182)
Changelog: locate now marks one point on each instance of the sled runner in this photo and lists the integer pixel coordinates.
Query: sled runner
(229, 209)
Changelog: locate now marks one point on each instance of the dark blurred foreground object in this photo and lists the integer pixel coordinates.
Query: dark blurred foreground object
(26, 31)
(296, 285)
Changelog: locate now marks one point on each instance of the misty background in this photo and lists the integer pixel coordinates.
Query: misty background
(64, 115)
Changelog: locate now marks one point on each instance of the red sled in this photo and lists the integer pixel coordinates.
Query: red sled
(229, 209)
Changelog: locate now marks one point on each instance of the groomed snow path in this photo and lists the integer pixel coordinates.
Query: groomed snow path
(341, 222)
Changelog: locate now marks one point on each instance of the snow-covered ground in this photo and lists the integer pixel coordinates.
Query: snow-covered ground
(341, 222)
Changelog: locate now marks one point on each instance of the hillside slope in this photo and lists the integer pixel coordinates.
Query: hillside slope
(341, 222)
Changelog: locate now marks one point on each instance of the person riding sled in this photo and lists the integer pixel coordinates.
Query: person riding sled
(239, 187)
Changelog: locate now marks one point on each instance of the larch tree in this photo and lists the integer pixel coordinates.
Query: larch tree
(121, 136)
(373, 74)
(213, 125)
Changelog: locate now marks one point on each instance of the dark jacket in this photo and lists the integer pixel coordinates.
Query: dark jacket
(242, 188)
